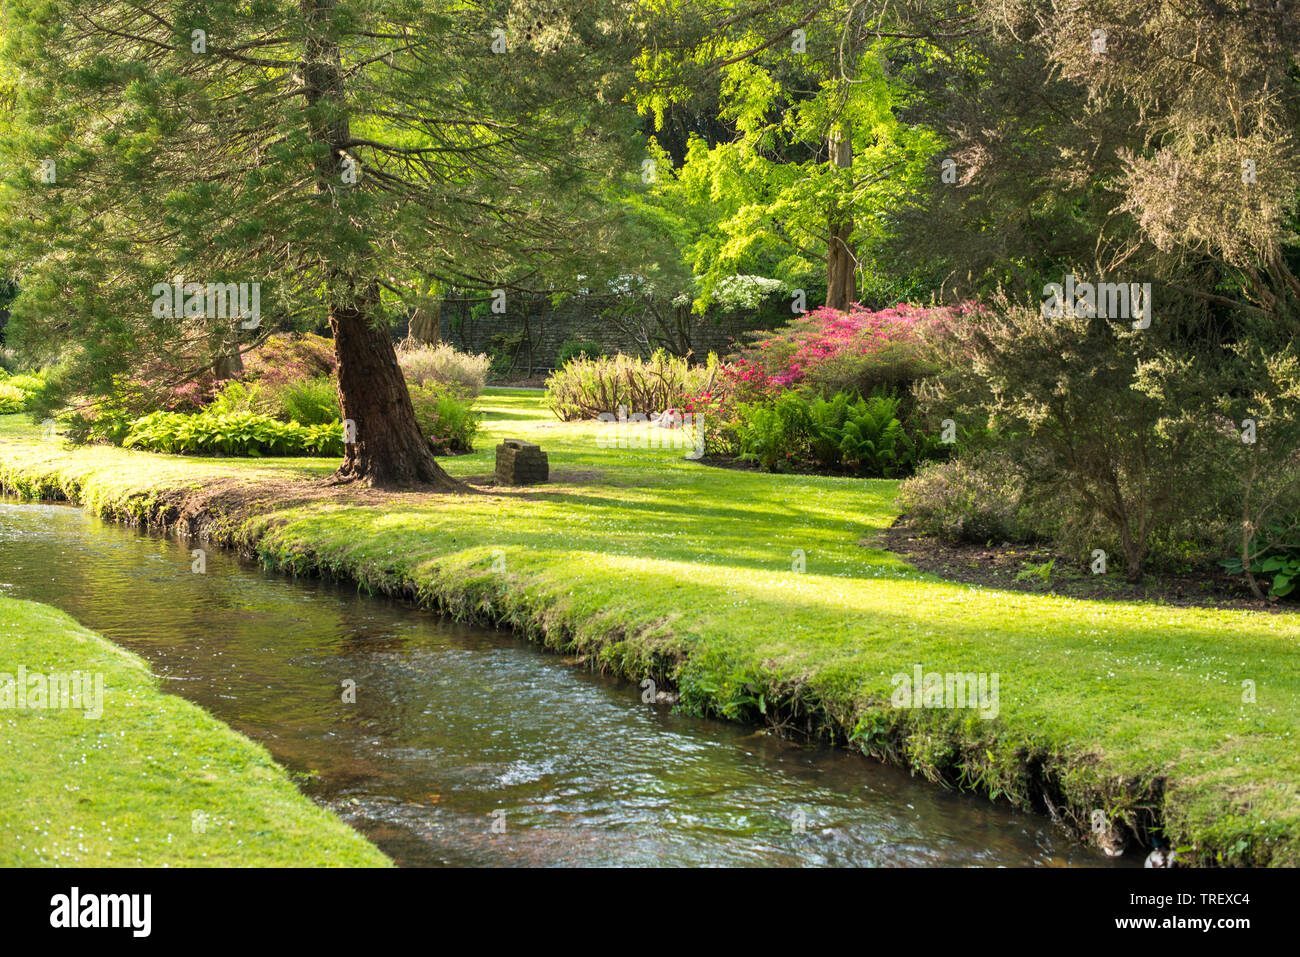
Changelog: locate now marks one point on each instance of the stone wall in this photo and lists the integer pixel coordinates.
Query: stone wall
(550, 327)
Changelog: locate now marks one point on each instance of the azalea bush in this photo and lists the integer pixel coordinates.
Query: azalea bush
(857, 351)
(837, 356)
(445, 417)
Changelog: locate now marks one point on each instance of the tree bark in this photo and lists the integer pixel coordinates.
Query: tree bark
(426, 324)
(841, 261)
(388, 448)
(227, 361)
(383, 444)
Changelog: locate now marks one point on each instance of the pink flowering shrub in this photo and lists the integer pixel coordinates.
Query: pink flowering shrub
(824, 353)
(859, 350)
(445, 416)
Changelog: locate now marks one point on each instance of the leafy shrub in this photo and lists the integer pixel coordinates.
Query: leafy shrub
(237, 395)
(857, 351)
(466, 372)
(232, 433)
(18, 392)
(868, 436)
(285, 358)
(578, 349)
(445, 417)
(585, 388)
(96, 424)
(860, 435)
(776, 432)
(1117, 421)
(309, 402)
(12, 399)
(1276, 554)
(973, 499)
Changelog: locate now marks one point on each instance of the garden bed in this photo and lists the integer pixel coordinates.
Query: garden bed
(1038, 569)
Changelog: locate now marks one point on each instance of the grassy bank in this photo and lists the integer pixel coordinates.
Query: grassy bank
(762, 597)
(153, 781)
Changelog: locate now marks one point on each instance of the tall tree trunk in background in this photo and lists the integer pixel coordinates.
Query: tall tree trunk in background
(388, 447)
(426, 324)
(841, 261)
(227, 362)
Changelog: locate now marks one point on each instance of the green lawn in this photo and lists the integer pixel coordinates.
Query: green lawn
(153, 781)
(655, 565)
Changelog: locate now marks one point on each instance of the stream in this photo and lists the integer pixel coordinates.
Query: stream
(469, 746)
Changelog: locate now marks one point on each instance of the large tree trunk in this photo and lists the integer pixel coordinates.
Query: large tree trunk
(841, 262)
(384, 446)
(388, 447)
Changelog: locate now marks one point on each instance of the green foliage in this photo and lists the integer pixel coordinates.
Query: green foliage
(774, 433)
(589, 388)
(578, 349)
(973, 499)
(304, 401)
(238, 395)
(1121, 422)
(445, 417)
(1043, 572)
(843, 433)
(310, 402)
(757, 201)
(180, 142)
(21, 392)
(11, 399)
(1276, 554)
(216, 432)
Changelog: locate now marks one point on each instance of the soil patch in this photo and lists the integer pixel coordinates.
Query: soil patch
(1040, 570)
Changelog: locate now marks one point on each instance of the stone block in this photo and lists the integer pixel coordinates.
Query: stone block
(521, 463)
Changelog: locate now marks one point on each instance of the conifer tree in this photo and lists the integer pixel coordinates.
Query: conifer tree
(337, 153)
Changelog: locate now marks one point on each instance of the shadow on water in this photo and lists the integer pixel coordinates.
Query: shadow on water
(468, 746)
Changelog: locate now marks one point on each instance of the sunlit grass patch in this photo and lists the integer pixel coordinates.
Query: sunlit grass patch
(153, 781)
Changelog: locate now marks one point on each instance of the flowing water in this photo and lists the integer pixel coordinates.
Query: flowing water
(468, 746)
